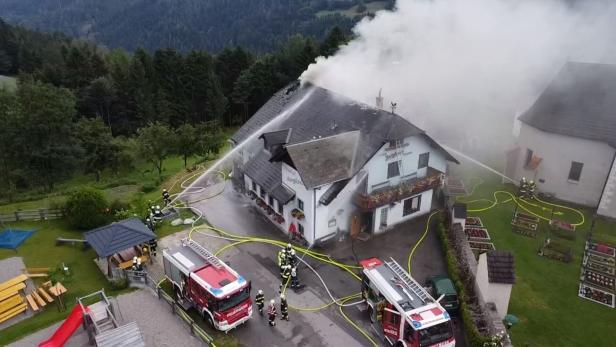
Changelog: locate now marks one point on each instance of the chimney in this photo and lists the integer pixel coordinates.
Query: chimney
(379, 100)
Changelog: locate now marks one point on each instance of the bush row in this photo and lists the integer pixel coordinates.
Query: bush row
(473, 336)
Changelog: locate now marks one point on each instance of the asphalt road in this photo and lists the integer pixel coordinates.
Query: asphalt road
(235, 213)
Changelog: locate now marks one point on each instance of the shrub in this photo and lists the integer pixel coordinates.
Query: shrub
(148, 187)
(86, 209)
(118, 205)
(473, 336)
(119, 283)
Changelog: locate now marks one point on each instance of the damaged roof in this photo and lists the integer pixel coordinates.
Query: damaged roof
(269, 176)
(337, 153)
(321, 119)
(580, 101)
(500, 267)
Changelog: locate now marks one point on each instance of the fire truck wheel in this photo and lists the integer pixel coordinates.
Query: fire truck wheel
(208, 319)
(399, 344)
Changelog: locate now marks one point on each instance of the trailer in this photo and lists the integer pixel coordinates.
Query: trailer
(401, 310)
(213, 288)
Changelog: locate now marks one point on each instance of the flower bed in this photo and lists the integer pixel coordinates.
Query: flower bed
(600, 259)
(477, 233)
(524, 224)
(482, 246)
(297, 213)
(596, 295)
(524, 232)
(609, 270)
(555, 254)
(527, 217)
(601, 249)
(559, 224)
(473, 222)
(598, 279)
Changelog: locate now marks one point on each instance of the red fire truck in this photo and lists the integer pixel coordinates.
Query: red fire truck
(203, 281)
(401, 310)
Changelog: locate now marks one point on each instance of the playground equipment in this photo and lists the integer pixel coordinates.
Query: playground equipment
(13, 238)
(102, 323)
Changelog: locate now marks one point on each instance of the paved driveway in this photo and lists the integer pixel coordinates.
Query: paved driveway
(235, 213)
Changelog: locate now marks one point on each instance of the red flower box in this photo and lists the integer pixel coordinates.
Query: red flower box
(477, 233)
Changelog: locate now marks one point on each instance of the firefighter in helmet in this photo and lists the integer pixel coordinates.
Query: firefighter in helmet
(523, 189)
(149, 223)
(284, 308)
(271, 312)
(284, 277)
(291, 259)
(166, 197)
(532, 187)
(260, 301)
(294, 280)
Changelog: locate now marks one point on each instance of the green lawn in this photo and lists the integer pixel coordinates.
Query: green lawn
(40, 251)
(371, 7)
(544, 296)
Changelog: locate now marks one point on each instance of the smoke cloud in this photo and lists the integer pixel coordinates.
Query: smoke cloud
(463, 69)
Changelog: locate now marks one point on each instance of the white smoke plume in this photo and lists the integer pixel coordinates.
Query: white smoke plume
(462, 69)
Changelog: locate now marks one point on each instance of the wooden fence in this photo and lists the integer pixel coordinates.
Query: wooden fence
(31, 215)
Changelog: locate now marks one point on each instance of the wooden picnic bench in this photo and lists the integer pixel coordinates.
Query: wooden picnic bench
(38, 299)
(6, 293)
(13, 312)
(45, 294)
(32, 303)
(13, 281)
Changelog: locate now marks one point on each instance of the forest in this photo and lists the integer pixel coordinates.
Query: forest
(260, 26)
(79, 108)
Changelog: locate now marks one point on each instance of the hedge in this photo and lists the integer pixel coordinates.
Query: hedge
(473, 336)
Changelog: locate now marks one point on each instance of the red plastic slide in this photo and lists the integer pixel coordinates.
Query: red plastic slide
(64, 332)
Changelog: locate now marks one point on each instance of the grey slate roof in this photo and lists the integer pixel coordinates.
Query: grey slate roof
(580, 101)
(322, 113)
(336, 153)
(118, 236)
(459, 210)
(500, 267)
(269, 176)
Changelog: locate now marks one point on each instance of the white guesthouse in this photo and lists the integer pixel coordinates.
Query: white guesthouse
(336, 166)
(567, 138)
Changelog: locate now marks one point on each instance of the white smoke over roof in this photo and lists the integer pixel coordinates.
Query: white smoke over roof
(462, 69)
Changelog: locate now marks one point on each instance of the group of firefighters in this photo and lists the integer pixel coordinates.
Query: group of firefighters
(527, 189)
(156, 213)
(287, 262)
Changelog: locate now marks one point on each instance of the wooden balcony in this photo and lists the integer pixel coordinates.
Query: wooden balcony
(404, 190)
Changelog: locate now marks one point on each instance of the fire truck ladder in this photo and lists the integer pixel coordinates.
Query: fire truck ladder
(207, 255)
(408, 280)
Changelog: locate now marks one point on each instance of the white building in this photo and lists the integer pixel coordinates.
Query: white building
(567, 139)
(495, 278)
(330, 165)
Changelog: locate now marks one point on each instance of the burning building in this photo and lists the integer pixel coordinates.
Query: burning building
(332, 165)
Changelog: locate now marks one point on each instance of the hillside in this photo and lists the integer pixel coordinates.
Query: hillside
(258, 25)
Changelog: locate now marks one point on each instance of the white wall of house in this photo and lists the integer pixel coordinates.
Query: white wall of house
(498, 293)
(408, 155)
(286, 211)
(607, 205)
(558, 152)
(395, 211)
(291, 178)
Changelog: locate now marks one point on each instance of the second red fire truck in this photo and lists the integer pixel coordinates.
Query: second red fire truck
(401, 310)
(203, 281)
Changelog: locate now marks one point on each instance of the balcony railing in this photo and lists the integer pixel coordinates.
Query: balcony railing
(396, 193)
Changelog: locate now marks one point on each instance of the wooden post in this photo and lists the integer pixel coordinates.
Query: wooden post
(17, 216)
(42, 213)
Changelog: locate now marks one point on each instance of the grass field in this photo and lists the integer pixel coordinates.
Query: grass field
(371, 7)
(544, 296)
(40, 251)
